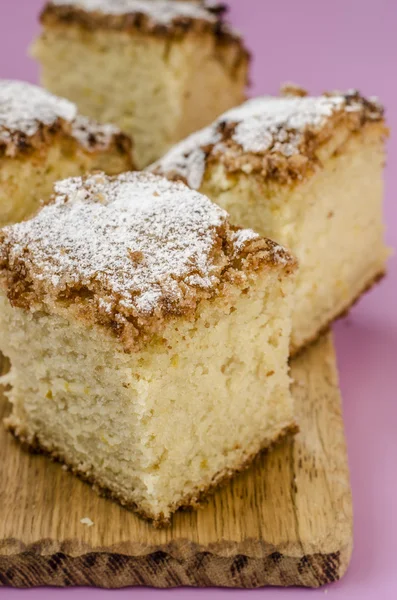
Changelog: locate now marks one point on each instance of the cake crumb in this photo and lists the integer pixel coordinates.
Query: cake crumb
(292, 89)
(87, 521)
(162, 11)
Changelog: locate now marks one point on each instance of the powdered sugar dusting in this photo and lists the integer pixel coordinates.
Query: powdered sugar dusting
(243, 236)
(88, 132)
(160, 11)
(188, 157)
(24, 106)
(265, 124)
(136, 237)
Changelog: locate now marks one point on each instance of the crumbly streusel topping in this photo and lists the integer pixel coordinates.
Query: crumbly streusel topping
(23, 107)
(128, 252)
(275, 135)
(92, 134)
(160, 11)
(28, 114)
(171, 18)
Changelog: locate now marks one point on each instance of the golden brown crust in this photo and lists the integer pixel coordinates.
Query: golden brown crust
(343, 313)
(54, 15)
(74, 258)
(93, 137)
(21, 145)
(32, 120)
(192, 501)
(267, 138)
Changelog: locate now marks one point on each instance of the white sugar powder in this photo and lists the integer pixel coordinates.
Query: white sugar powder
(266, 124)
(137, 236)
(24, 106)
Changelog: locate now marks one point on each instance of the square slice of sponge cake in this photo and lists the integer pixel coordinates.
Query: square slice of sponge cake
(42, 139)
(148, 338)
(159, 69)
(307, 172)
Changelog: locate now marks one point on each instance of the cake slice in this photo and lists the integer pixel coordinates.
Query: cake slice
(307, 172)
(159, 69)
(148, 338)
(42, 139)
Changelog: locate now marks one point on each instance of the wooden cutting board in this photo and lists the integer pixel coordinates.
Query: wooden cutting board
(285, 521)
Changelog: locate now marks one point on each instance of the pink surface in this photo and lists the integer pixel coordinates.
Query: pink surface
(321, 45)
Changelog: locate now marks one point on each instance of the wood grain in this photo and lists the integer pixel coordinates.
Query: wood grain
(286, 521)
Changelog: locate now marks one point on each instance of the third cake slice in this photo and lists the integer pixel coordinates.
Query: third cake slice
(42, 139)
(307, 172)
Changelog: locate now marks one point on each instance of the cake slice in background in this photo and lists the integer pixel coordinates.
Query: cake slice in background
(307, 172)
(155, 338)
(159, 69)
(42, 139)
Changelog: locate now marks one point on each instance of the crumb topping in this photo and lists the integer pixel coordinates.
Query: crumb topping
(160, 11)
(23, 107)
(278, 124)
(129, 251)
(171, 18)
(276, 135)
(29, 115)
(90, 133)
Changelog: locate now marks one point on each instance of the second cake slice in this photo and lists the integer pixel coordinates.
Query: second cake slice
(307, 172)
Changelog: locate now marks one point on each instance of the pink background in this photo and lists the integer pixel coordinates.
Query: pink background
(320, 45)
